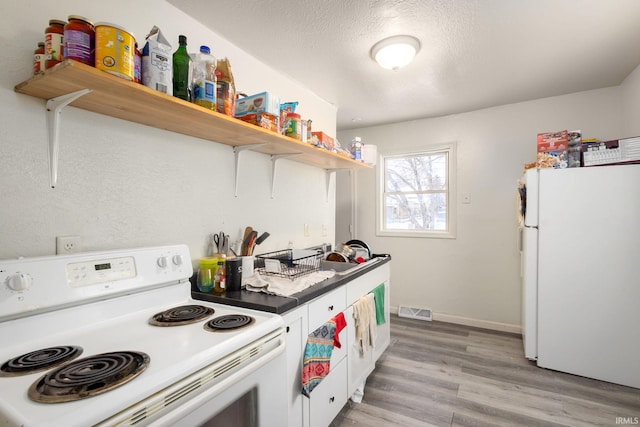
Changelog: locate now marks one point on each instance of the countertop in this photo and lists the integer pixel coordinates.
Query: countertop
(277, 304)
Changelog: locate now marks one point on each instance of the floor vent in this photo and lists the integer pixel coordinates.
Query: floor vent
(415, 313)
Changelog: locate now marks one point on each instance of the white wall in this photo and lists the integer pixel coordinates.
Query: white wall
(631, 104)
(476, 275)
(125, 185)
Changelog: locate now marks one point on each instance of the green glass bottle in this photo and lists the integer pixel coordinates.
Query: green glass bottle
(182, 71)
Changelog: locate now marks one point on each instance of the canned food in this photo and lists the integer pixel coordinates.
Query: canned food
(115, 50)
(79, 40)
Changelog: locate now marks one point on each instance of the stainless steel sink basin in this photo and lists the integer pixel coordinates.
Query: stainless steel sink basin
(344, 268)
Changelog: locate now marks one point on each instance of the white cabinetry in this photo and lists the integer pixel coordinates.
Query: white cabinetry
(348, 368)
(296, 335)
(361, 365)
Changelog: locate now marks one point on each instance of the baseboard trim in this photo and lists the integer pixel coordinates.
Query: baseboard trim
(478, 323)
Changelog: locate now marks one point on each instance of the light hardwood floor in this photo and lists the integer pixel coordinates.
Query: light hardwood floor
(442, 374)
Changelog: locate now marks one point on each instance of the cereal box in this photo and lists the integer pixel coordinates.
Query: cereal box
(553, 150)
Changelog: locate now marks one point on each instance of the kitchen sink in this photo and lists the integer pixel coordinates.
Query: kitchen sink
(344, 268)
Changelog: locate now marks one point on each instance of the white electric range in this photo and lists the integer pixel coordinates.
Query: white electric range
(96, 315)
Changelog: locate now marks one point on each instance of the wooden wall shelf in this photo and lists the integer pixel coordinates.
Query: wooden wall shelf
(113, 96)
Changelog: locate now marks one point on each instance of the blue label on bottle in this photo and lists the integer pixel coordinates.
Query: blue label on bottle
(210, 91)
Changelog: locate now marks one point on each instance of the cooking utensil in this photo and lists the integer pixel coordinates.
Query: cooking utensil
(245, 240)
(262, 238)
(362, 245)
(347, 251)
(337, 257)
(252, 242)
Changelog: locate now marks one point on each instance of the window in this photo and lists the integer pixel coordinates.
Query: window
(417, 193)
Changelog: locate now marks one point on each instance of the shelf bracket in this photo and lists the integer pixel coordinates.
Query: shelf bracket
(329, 173)
(274, 160)
(54, 110)
(237, 150)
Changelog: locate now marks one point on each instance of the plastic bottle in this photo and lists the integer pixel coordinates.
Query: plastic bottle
(204, 79)
(206, 274)
(356, 148)
(220, 283)
(182, 70)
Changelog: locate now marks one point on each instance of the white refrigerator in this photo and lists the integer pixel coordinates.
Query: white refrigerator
(580, 244)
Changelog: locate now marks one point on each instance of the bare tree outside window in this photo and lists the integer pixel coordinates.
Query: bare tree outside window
(416, 192)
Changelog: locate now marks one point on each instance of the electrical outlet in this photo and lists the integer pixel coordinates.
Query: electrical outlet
(67, 244)
(306, 230)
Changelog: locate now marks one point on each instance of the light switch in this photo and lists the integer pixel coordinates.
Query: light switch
(466, 198)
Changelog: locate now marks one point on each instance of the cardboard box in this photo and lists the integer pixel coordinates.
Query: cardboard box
(553, 141)
(553, 150)
(262, 102)
(324, 140)
(264, 120)
(157, 62)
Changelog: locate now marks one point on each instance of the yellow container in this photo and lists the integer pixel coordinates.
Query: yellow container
(115, 50)
(206, 274)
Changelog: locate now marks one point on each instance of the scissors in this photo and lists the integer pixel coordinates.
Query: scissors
(222, 242)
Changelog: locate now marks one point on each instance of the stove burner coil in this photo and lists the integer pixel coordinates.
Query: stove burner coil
(39, 360)
(88, 377)
(182, 315)
(228, 322)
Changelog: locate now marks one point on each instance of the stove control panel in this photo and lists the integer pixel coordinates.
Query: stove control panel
(34, 285)
(101, 271)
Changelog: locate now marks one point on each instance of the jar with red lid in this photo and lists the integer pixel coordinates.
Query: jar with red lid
(294, 126)
(54, 43)
(38, 59)
(80, 40)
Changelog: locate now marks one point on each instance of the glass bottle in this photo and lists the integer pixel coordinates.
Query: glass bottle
(39, 59)
(80, 40)
(54, 42)
(182, 71)
(220, 283)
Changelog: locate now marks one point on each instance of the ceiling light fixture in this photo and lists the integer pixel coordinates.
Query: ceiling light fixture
(395, 52)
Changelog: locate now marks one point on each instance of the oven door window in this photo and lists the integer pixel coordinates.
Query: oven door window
(241, 413)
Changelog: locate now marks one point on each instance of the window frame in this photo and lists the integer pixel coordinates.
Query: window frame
(450, 149)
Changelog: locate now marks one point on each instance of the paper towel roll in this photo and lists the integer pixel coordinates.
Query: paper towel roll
(370, 154)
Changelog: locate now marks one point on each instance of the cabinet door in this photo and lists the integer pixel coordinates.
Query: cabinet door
(328, 398)
(360, 366)
(366, 283)
(296, 327)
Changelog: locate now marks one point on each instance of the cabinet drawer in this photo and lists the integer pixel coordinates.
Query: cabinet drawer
(326, 307)
(328, 398)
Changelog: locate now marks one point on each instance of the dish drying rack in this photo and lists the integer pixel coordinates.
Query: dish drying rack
(289, 263)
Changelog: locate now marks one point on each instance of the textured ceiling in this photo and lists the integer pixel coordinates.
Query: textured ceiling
(475, 53)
